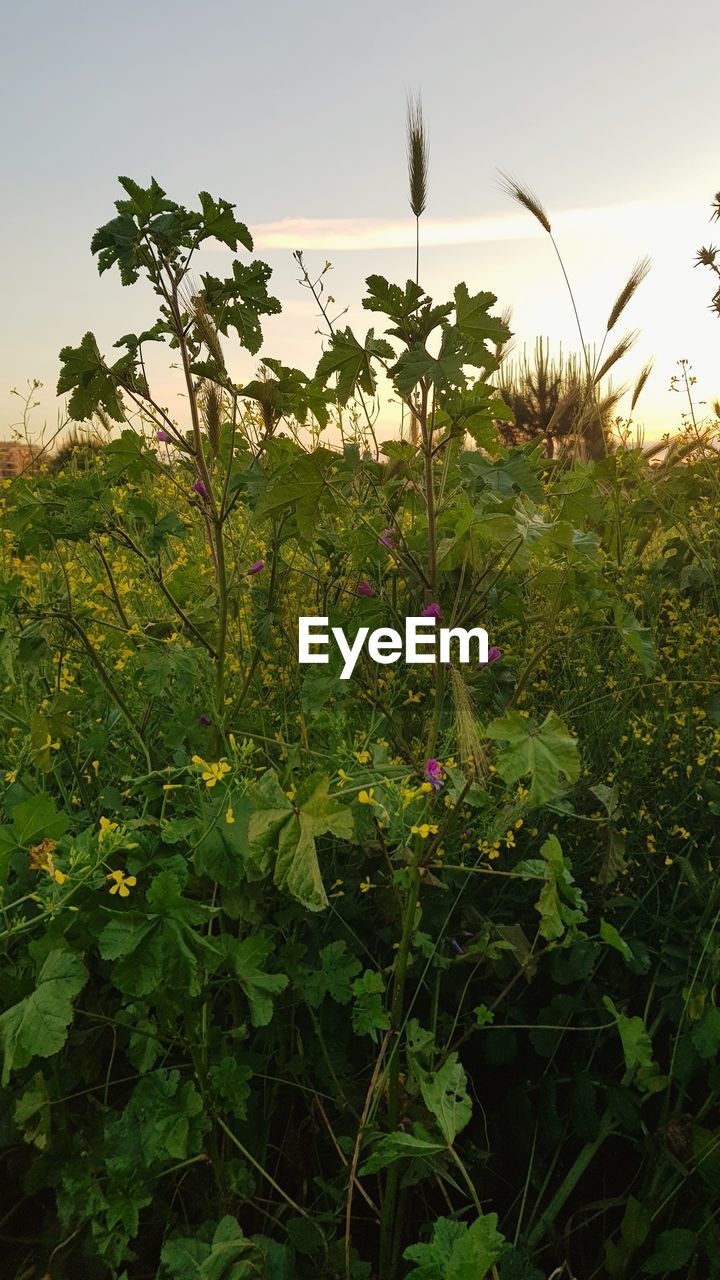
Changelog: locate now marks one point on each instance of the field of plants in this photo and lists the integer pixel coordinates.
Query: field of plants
(411, 975)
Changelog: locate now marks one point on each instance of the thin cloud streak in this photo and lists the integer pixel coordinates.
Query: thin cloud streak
(356, 234)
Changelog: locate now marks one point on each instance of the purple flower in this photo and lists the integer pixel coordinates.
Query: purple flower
(386, 539)
(202, 719)
(434, 773)
(364, 588)
(162, 436)
(494, 654)
(431, 611)
(199, 487)
(257, 567)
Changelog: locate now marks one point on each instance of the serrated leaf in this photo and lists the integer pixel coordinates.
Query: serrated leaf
(352, 361)
(457, 1251)
(547, 753)
(220, 223)
(91, 384)
(37, 1026)
(247, 960)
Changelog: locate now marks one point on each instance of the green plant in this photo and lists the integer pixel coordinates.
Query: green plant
(388, 976)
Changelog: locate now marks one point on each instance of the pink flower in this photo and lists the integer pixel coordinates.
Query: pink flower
(199, 487)
(202, 719)
(494, 654)
(434, 773)
(257, 567)
(364, 588)
(386, 539)
(162, 436)
(431, 611)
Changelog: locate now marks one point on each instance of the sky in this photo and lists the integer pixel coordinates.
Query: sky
(295, 111)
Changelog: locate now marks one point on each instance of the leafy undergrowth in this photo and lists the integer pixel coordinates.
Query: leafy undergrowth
(410, 974)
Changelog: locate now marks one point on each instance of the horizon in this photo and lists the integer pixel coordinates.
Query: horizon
(635, 175)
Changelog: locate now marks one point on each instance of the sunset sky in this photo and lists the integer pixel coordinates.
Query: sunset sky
(295, 111)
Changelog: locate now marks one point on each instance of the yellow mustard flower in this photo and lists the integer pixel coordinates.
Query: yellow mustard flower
(230, 816)
(106, 826)
(424, 830)
(212, 773)
(122, 884)
(366, 885)
(366, 797)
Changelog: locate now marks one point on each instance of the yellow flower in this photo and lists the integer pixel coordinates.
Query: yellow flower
(106, 826)
(11, 775)
(414, 697)
(122, 884)
(212, 773)
(59, 876)
(424, 830)
(363, 757)
(343, 777)
(425, 786)
(229, 816)
(366, 797)
(366, 885)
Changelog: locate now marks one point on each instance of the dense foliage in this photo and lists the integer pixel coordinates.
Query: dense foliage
(413, 974)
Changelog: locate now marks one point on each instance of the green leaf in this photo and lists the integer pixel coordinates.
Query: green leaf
(396, 303)
(352, 362)
(472, 319)
(238, 301)
(706, 1034)
(636, 1042)
(335, 976)
(561, 904)
(443, 371)
(247, 960)
(400, 1146)
(220, 223)
(230, 1256)
(637, 637)
(445, 1094)
(93, 386)
(37, 819)
(546, 753)
(369, 1015)
(457, 1251)
(161, 948)
(293, 829)
(162, 1121)
(610, 935)
(231, 1081)
(37, 1026)
(635, 1225)
(673, 1251)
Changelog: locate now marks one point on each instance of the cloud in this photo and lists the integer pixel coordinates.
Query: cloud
(355, 234)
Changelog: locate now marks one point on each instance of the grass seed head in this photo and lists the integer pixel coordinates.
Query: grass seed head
(527, 198)
(418, 155)
(634, 280)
